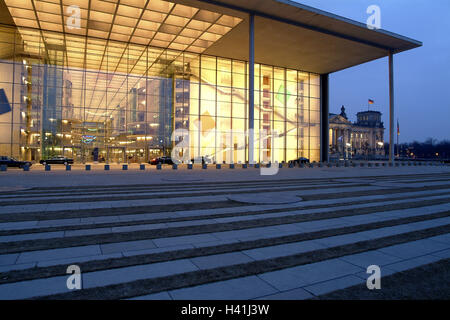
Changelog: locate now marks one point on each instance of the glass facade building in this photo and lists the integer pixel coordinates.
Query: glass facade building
(128, 80)
(125, 81)
(94, 99)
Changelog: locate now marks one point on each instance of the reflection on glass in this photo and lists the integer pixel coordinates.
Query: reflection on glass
(124, 105)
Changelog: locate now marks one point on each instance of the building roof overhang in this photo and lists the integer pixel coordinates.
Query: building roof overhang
(287, 34)
(294, 35)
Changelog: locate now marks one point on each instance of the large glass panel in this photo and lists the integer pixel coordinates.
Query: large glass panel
(118, 102)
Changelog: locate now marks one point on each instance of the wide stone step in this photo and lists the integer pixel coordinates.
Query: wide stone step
(112, 287)
(215, 253)
(113, 224)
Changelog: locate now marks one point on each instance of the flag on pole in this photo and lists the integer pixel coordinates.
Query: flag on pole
(371, 101)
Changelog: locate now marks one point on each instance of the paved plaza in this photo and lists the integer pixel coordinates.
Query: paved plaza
(217, 234)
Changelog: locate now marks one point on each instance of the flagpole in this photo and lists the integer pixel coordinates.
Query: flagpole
(398, 137)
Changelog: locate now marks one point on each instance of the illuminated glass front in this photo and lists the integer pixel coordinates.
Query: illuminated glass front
(96, 97)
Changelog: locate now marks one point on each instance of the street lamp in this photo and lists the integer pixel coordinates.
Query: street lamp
(349, 147)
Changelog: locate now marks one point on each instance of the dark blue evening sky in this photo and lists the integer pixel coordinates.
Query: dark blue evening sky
(422, 76)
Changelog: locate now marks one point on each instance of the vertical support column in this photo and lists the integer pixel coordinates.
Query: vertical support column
(324, 110)
(200, 84)
(285, 118)
(391, 107)
(13, 105)
(251, 91)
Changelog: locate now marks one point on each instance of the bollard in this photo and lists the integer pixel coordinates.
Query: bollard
(68, 167)
(107, 167)
(48, 167)
(142, 167)
(204, 166)
(88, 167)
(158, 166)
(190, 166)
(232, 166)
(218, 166)
(3, 167)
(125, 167)
(244, 166)
(174, 166)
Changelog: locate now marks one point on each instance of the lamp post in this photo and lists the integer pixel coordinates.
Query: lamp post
(380, 145)
(349, 148)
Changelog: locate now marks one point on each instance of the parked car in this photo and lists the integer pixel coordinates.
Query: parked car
(57, 160)
(298, 161)
(12, 162)
(161, 160)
